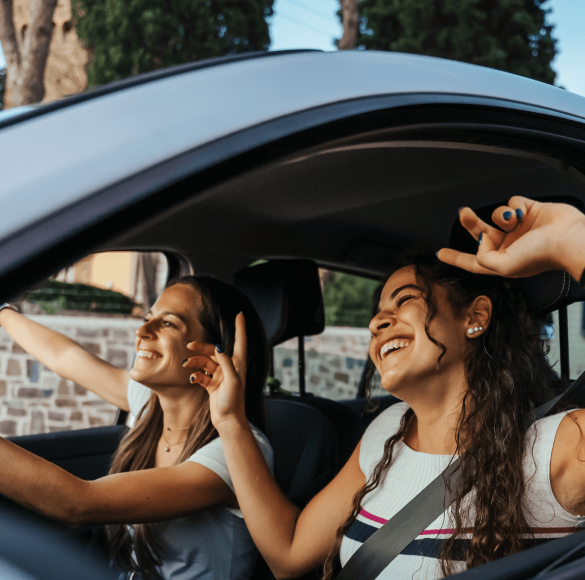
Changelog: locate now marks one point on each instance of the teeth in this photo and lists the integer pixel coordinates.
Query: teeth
(147, 354)
(392, 345)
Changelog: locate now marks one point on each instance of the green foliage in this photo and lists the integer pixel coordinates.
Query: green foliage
(56, 296)
(509, 35)
(127, 37)
(2, 87)
(348, 300)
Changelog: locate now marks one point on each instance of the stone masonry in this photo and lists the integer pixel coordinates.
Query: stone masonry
(35, 400)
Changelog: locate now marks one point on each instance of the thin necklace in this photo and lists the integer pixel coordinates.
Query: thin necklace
(169, 445)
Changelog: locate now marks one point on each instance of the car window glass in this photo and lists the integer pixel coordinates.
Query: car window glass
(99, 302)
(335, 359)
(576, 325)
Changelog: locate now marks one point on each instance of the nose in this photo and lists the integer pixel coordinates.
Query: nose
(380, 321)
(145, 331)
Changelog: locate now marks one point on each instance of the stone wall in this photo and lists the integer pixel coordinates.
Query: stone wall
(35, 400)
(334, 362)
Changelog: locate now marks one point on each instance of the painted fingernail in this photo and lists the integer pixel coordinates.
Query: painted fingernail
(183, 362)
(437, 253)
(519, 214)
(479, 239)
(191, 380)
(218, 348)
(188, 342)
(507, 215)
(459, 210)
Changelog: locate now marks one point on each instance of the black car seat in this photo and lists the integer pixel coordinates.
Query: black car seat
(312, 437)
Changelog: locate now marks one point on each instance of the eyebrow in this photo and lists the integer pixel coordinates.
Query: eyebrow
(169, 313)
(398, 290)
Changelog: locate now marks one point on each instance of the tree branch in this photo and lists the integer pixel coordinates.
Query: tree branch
(349, 20)
(8, 38)
(35, 52)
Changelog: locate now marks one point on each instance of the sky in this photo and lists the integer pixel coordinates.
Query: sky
(315, 24)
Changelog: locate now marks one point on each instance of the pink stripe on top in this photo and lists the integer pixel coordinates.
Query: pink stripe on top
(382, 521)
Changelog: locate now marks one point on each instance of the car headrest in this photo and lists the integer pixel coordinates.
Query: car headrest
(544, 292)
(287, 296)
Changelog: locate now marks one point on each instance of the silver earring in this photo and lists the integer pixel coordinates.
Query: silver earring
(470, 331)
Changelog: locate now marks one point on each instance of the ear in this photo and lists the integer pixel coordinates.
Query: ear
(477, 317)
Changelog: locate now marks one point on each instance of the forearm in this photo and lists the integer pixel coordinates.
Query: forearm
(571, 250)
(49, 347)
(270, 517)
(41, 486)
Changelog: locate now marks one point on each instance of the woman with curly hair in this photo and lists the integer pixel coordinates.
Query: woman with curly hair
(455, 342)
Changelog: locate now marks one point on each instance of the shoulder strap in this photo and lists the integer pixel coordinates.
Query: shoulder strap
(378, 551)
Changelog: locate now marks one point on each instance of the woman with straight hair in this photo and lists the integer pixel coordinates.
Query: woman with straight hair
(454, 341)
(168, 502)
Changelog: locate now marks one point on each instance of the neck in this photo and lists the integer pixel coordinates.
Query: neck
(181, 407)
(437, 406)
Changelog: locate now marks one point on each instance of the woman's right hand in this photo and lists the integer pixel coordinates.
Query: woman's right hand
(226, 388)
(536, 237)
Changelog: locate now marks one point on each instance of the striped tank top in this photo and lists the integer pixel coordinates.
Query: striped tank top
(410, 472)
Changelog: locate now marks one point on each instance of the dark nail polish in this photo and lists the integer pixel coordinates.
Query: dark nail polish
(507, 215)
(219, 348)
(191, 380)
(519, 214)
(459, 210)
(479, 239)
(188, 342)
(183, 362)
(437, 253)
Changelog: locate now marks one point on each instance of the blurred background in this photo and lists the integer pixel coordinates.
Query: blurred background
(51, 49)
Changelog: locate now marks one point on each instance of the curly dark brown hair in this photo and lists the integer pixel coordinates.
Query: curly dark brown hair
(507, 374)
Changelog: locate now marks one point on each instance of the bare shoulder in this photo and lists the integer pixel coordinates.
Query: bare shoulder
(567, 464)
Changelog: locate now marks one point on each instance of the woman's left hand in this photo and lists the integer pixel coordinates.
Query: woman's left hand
(226, 387)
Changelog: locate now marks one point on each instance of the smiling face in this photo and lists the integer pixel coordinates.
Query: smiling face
(161, 340)
(402, 352)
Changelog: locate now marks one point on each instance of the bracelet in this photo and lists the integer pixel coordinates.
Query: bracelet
(8, 305)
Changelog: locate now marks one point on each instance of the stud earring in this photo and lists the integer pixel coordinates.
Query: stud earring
(470, 331)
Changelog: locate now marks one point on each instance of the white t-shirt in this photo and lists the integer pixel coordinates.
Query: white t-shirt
(213, 544)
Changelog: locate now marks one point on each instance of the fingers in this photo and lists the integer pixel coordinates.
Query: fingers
(241, 345)
(201, 347)
(506, 217)
(227, 366)
(476, 226)
(465, 261)
(200, 362)
(200, 378)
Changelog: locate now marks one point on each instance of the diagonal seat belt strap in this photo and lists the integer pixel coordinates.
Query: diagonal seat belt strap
(378, 551)
(386, 543)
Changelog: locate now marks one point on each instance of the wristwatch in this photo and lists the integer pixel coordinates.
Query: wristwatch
(8, 305)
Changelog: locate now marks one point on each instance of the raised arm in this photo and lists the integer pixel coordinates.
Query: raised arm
(536, 237)
(291, 542)
(150, 495)
(67, 358)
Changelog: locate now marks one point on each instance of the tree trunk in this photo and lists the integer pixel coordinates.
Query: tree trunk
(349, 20)
(26, 61)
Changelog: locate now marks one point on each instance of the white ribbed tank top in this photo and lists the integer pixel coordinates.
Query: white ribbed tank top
(410, 472)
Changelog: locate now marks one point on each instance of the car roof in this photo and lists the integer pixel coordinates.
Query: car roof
(307, 139)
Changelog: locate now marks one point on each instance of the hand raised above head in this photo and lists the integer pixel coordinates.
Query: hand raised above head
(536, 237)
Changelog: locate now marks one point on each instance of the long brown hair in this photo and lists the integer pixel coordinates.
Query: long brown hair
(218, 304)
(507, 374)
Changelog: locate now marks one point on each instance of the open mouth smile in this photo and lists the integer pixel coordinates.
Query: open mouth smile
(393, 346)
(149, 354)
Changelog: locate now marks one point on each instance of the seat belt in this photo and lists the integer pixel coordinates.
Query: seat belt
(380, 549)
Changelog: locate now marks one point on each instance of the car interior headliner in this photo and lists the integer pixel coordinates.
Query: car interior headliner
(351, 204)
